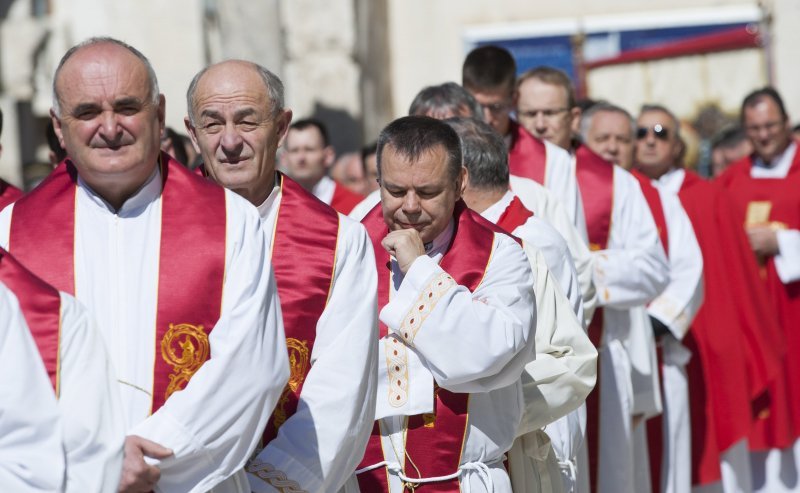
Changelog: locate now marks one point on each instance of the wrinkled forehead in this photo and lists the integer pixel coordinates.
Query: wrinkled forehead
(611, 121)
(231, 82)
(109, 65)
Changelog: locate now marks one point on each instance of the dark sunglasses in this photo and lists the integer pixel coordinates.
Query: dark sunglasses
(659, 131)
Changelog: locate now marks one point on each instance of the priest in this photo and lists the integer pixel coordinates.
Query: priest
(457, 314)
(325, 271)
(764, 188)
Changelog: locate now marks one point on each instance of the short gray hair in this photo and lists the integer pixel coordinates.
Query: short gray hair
(98, 40)
(448, 96)
(271, 81)
(484, 153)
(599, 107)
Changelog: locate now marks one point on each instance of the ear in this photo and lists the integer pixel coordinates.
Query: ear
(575, 124)
(162, 113)
(330, 156)
(192, 134)
(463, 179)
(57, 127)
(282, 123)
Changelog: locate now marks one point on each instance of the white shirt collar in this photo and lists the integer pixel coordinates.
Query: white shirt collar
(146, 194)
(778, 168)
(272, 200)
(672, 180)
(496, 210)
(324, 189)
(441, 242)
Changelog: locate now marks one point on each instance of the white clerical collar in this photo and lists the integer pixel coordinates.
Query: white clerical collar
(672, 180)
(496, 210)
(146, 194)
(441, 242)
(778, 168)
(324, 189)
(272, 199)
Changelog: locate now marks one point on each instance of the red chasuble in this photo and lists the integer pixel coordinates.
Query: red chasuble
(8, 194)
(192, 253)
(735, 341)
(41, 306)
(595, 178)
(775, 202)
(344, 200)
(434, 443)
(527, 156)
(514, 216)
(303, 260)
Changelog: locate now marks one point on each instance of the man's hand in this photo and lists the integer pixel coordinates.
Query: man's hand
(137, 475)
(763, 240)
(405, 246)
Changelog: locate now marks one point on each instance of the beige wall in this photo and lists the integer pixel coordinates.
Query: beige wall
(427, 39)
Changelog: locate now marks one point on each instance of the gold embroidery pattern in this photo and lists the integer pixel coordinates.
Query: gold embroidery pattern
(298, 365)
(184, 347)
(424, 306)
(397, 366)
(274, 477)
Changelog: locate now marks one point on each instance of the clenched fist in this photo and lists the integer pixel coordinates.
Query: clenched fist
(405, 246)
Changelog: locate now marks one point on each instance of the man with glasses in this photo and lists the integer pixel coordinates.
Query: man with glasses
(765, 188)
(489, 74)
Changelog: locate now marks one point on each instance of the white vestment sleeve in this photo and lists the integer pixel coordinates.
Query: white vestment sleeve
(545, 206)
(215, 423)
(89, 402)
(633, 270)
(565, 368)
(470, 342)
(677, 305)
(787, 262)
(31, 449)
(320, 445)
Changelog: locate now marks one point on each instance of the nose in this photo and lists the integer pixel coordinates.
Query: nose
(231, 142)
(411, 203)
(109, 128)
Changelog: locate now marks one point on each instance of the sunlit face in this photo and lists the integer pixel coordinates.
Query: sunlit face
(658, 147)
(235, 131)
(610, 135)
(418, 194)
(306, 156)
(767, 129)
(543, 109)
(108, 121)
(497, 105)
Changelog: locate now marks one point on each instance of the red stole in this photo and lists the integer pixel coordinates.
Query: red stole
(527, 156)
(344, 199)
(8, 194)
(192, 253)
(596, 182)
(656, 207)
(303, 260)
(41, 306)
(434, 442)
(774, 201)
(514, 216)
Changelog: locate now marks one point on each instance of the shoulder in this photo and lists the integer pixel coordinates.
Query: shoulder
(556, 154)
